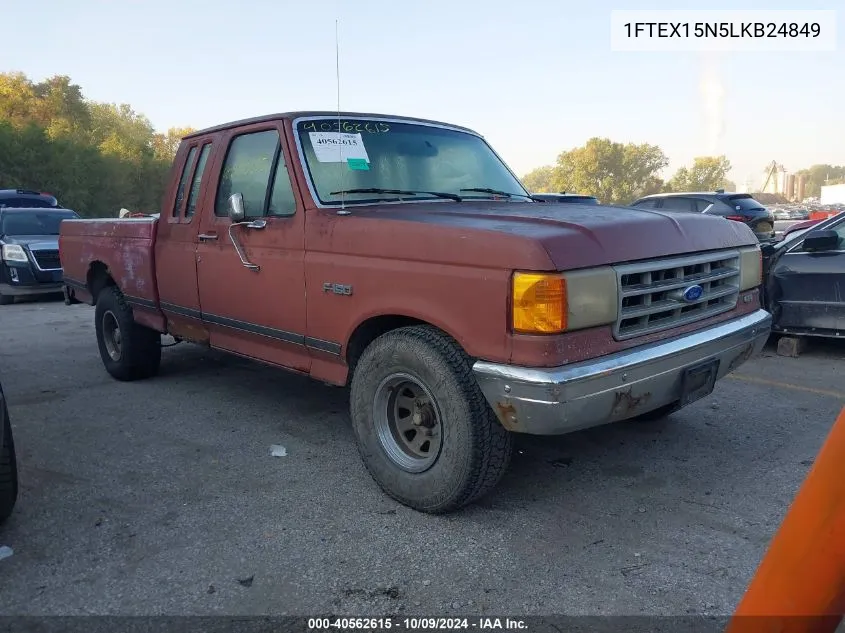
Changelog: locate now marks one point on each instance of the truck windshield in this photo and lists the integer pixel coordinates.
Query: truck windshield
(355, 153)
(34, 222)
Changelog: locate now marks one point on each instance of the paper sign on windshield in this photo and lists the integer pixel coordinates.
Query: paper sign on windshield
(338, 147)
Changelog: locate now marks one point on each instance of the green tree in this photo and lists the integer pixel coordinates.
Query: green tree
(707, 173)
(165, 145)
(615, 173)
(95, 157)
(539, 180)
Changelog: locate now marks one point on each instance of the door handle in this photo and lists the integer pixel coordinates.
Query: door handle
(207, 237)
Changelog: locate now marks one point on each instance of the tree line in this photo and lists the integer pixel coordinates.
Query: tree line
(99, 157)
(619, 173)
(94, 157)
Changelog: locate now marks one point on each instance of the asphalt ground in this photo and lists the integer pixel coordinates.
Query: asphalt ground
(162, 497)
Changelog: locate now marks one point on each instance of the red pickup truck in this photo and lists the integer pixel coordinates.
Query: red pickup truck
(401, 257)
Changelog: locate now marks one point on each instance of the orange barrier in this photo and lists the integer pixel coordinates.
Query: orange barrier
(799, 586)
(822, 215)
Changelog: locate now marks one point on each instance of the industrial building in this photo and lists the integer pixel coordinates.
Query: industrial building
(778, 181)
(832, 194)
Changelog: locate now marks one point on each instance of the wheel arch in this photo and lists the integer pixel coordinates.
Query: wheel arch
(370, 328)
(97, 278)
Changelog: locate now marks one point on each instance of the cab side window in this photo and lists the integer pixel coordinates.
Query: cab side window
(249, 169)
(191, 208)
(183, 181)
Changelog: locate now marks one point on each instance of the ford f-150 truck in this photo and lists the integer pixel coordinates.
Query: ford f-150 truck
(402, 258)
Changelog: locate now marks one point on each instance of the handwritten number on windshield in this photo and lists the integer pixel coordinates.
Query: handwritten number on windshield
(370, 127)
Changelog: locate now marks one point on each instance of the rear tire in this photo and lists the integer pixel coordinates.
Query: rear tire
(8, 467)
(129, 351)
(423, 428)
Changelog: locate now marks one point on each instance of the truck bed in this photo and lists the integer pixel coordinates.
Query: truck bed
(125, 248)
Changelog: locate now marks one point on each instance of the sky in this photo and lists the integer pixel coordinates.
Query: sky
(534, 77)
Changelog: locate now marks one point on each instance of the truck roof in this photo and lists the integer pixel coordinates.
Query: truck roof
(321, 113)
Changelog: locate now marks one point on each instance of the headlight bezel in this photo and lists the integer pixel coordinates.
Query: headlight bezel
(589, 298)
(750, 268)
(14, 253)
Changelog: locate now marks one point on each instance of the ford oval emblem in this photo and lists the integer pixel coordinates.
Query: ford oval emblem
(693, 293)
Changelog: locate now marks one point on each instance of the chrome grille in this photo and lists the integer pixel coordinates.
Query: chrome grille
(47, 259)
(651, 292)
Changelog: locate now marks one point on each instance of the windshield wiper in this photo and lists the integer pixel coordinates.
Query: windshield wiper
(496, 192)
(400, 192)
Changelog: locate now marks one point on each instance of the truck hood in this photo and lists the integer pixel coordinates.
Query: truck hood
(37, 242)
(571, 235)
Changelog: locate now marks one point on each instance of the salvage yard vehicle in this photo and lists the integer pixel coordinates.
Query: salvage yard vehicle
(27, 199)
(572, 198)
(805, 280)
(739, 207)
(29, 261)
(8, 462)
(402, 258)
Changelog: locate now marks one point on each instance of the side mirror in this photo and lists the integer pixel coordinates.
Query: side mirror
(824, 240)
(236, 207)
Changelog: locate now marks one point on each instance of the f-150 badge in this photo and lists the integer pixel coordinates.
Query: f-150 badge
(338, 289)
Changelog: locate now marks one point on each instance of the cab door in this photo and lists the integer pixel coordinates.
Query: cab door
(253, 301)
(175, 251)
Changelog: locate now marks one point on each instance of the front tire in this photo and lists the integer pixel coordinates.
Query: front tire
(129, 351)
(8, 466)
(423, 428)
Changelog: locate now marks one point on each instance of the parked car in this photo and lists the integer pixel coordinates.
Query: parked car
(741, 207)
(8, 462)
(805, 280)
(574, 198)
(25, 198)
(457, 309)
(29, 239)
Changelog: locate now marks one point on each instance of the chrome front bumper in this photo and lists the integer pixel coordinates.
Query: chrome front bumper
(558, 400)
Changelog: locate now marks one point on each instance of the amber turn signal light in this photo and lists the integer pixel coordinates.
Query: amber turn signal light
(539, 303)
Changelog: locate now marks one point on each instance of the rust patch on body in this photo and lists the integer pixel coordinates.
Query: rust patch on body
(507, 415)
(188, 331)
(626, 403)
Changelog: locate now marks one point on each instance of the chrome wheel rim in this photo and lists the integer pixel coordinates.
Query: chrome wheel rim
(112, 338)
(407, 421)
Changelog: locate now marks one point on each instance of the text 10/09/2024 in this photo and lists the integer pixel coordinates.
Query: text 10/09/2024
(416, 624)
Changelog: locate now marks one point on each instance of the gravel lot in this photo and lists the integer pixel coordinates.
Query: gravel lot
(161, 497)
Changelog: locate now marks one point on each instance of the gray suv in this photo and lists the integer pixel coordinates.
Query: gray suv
(740, 207)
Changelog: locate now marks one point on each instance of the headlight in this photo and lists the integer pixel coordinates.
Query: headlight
(750, 268)
(14, 253)
(551, 303)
